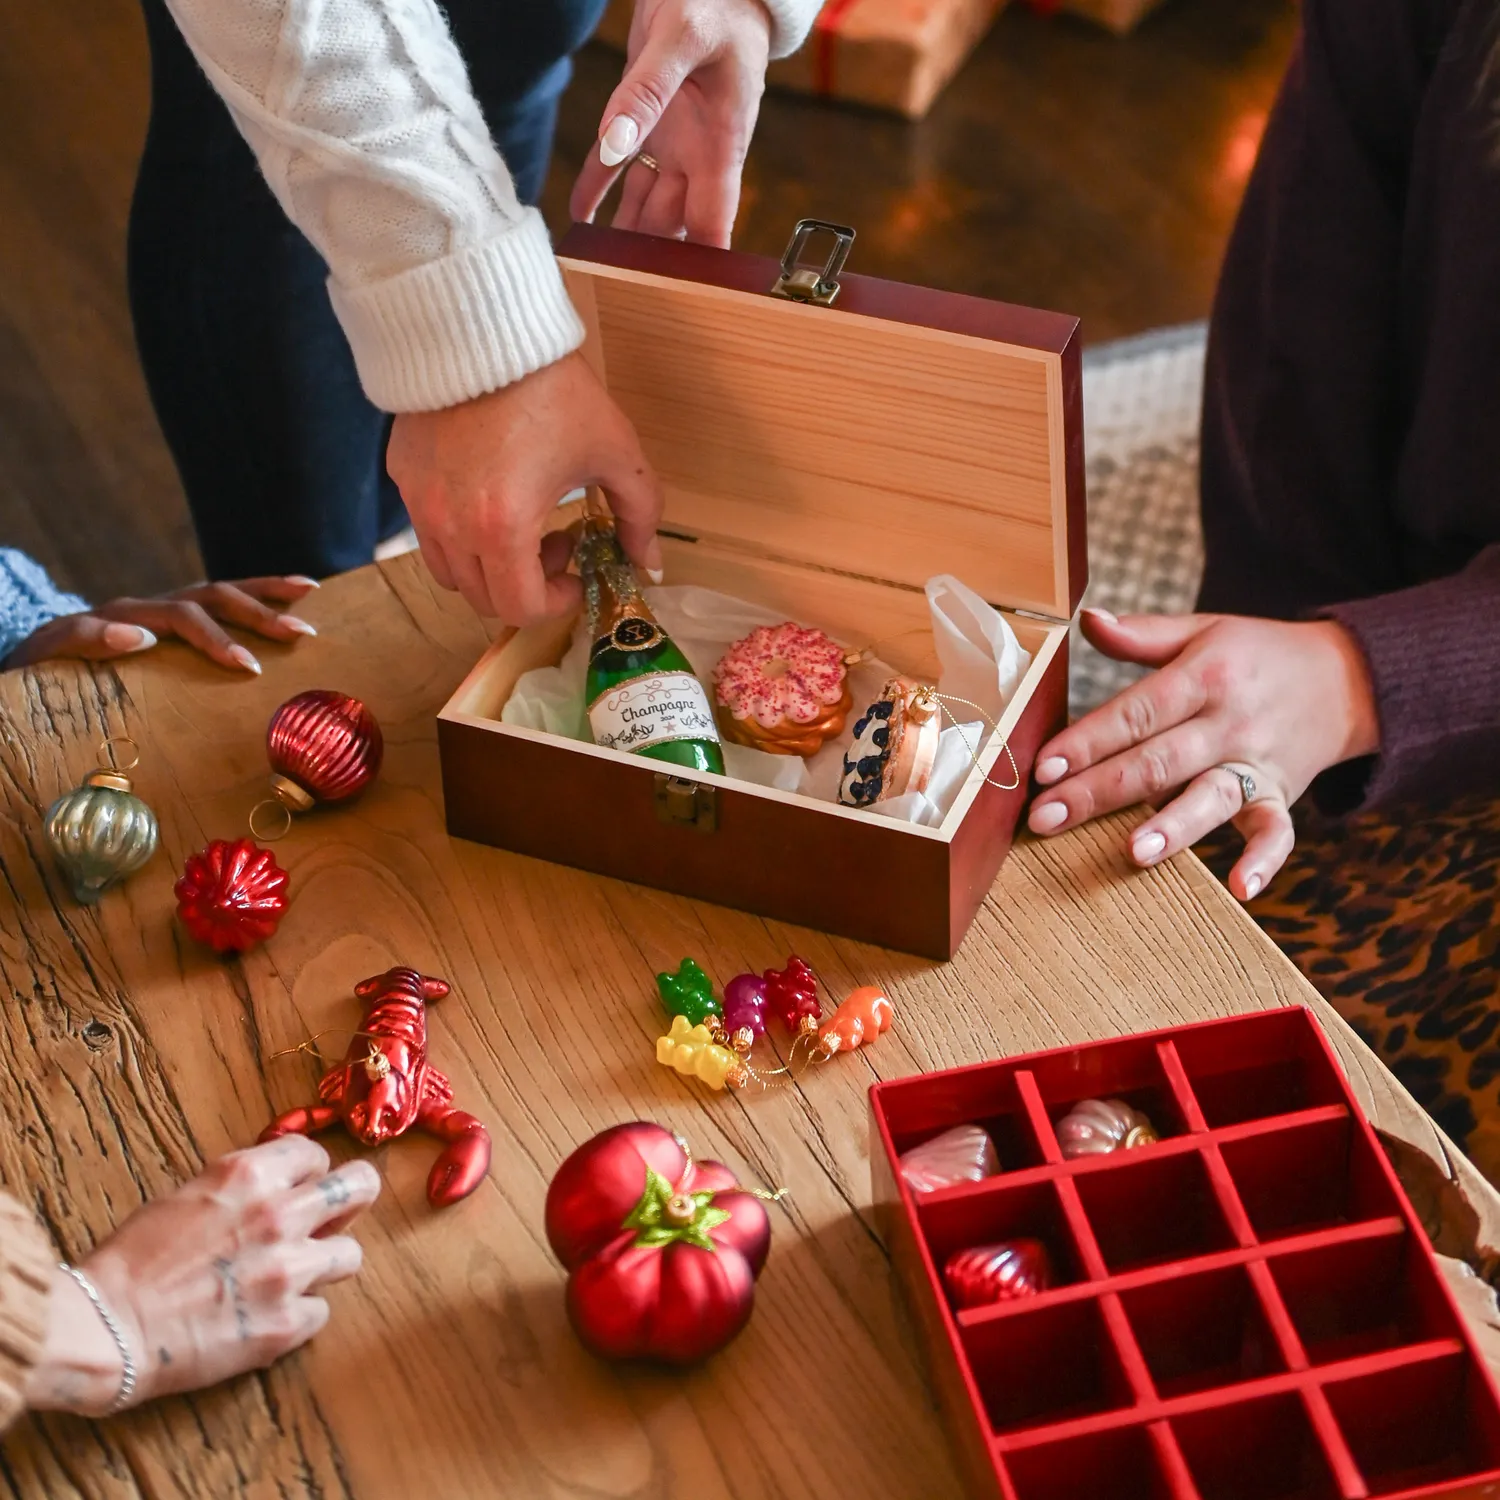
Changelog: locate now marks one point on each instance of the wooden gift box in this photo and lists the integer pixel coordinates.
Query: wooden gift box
(823, 461)
(1247, 1310)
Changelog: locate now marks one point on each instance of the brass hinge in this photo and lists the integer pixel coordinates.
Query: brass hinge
(804, 284)
(686, 803)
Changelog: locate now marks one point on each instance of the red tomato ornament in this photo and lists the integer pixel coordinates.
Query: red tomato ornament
(988, 1274)
(662, 1251)
(323, 747)
(231, 895)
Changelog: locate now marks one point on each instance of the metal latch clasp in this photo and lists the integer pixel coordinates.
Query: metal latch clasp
(686, 803)
(803, 284)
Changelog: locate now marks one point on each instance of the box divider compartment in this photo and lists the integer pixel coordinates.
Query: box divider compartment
(1187, 1100)
(1351, 1482)
(1036, 1112)
(1228, 1196)
(1136, 1461)
(1277, 1316)
(1083, 1231)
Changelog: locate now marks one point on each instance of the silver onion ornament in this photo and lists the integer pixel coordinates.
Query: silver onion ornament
(101, 831)
(1096, 1127)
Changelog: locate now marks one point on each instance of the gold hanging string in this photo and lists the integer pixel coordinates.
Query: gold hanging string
(943, 700)
(763, 1194)
(107, 752)
(867, 653)
(311, 1043)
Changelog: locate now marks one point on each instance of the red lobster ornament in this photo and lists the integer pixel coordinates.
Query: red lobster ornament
(385, 1085)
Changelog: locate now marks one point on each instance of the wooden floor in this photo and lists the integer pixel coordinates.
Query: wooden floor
(1062, 168)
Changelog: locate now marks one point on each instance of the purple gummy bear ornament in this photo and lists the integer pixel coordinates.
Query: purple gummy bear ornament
(745, 1010)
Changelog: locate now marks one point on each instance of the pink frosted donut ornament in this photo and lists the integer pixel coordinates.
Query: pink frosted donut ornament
(783, 689)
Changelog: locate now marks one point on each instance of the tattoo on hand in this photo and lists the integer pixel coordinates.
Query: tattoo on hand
(225, 1268)
(163, 1356)
(335, 1191)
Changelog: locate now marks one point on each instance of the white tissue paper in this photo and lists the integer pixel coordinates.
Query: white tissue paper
(981, 660)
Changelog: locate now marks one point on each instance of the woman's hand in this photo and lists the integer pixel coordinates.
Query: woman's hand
(1281, 702)
(482, 481)
(694, 76)
(124, 626)
(216, 1279)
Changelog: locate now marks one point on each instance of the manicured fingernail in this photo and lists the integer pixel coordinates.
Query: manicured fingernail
(292, 622)
(1252, 887)
(652, 565)
(244, 658)
(128, 638)
(1054, 768)
(618, 140)
(1147, 849)
(1101, 614)
(1048, 816)
(304, 580)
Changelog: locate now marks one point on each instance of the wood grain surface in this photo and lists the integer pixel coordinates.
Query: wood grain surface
(130, 1057)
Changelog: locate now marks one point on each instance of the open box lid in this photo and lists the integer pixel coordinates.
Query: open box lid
(841, 421)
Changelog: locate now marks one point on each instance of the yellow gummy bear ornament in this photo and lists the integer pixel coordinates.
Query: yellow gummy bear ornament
(692, 1051)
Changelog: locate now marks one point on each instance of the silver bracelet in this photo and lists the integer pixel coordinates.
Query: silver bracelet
(127, 1364)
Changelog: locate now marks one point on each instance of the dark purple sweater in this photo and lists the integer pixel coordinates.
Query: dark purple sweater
(1351, 437)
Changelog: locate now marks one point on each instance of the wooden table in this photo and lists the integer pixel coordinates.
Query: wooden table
(132, 1057)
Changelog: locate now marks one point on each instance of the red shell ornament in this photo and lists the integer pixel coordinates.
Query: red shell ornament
(326, 744)
(987, 1274)
(662, 1251)
(231, 895)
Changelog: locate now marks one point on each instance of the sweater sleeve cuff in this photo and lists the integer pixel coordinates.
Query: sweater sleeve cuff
(28, 600)
(452, 329)
(27, 1261)
(791, 20)
(1435, 667)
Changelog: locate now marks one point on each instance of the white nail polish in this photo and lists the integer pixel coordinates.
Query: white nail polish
(618, 140)
(1048, 816)
(302, 627)
(147, 639)
(1147, 849)
(245, 659)
(1054, 768)
(304, 580)
(655, 575)
(1252, 887)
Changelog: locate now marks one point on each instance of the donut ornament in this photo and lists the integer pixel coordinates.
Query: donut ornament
(783, 689)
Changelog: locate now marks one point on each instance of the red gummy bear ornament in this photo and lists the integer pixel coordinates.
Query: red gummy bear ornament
(662, 1251)
(231, 895)
(323, 747)
(792, 996)
(385, 1086)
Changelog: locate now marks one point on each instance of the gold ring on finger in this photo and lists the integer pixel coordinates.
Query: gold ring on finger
(648, 161)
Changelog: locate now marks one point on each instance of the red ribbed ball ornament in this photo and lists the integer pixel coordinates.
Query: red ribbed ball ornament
(231, 895)
(326, 744)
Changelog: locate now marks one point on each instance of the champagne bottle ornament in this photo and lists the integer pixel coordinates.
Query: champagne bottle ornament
(100, 832)
(640, 689)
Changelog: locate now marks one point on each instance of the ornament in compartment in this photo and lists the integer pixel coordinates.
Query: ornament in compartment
(662, 1251)
(986, 1274)
(1095, 1127)
(966, 1153)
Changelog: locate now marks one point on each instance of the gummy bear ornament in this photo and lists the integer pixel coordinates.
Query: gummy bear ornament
(745, 1010)
(1096, 1127)
(856, 1023)
(792, 996)
(694, 1052)
(231, 895)
(324, 746)
(986, 1274)
(689, 992)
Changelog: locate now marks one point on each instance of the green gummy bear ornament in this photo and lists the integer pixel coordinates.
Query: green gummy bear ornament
(689, 992)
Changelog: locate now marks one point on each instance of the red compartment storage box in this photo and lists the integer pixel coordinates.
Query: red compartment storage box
(1247, 1309)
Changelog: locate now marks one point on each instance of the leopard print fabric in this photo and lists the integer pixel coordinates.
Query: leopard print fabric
(1394, 920)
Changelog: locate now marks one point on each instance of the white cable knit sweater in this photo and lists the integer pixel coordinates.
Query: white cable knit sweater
(361, 115)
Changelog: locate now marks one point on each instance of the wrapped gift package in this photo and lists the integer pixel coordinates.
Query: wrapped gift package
(1246, 1309)
(827, 443)
(893, 54)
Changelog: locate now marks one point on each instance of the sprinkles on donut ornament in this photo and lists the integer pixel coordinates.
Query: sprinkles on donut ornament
(783, 689)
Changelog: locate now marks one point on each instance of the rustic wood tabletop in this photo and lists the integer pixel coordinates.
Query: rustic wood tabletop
(132, 1056)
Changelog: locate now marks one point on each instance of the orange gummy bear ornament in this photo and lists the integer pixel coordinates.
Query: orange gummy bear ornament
(856, 1023)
